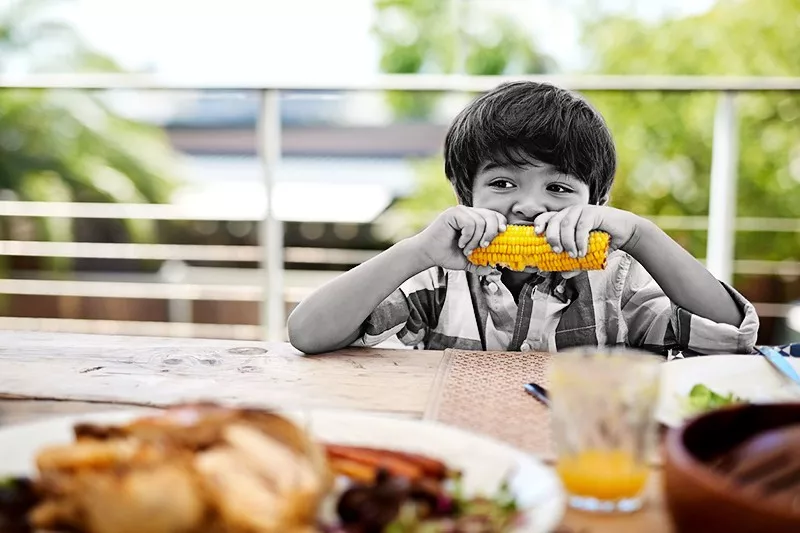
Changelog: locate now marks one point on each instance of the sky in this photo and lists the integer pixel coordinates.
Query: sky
(297, 38)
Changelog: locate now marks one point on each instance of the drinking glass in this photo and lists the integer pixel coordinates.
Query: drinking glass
(603, 403)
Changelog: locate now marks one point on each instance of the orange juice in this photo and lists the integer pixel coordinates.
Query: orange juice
(602, 474)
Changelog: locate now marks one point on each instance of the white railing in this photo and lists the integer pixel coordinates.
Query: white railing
(721, 222)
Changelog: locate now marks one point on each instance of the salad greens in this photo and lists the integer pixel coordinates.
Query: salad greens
(702, 399)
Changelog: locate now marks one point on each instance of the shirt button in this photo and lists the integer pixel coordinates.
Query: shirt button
(525, 347)
(560, 289)
(492, 287)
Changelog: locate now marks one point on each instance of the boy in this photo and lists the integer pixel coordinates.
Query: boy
(529, 153)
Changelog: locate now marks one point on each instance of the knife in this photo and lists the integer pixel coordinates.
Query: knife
(779, 362)
(538, 392)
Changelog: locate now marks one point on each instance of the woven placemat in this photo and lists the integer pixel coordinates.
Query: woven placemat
(483, 392)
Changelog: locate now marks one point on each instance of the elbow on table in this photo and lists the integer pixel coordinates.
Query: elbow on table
(304, 334)
(297, 333)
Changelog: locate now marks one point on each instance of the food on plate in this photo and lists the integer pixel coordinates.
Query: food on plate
(520, 246)
(701, 399)
(17, 497)
(212, 469)
(397, 492)
(194, 468)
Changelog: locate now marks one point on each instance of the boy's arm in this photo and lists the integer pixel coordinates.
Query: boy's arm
(683, 278)
(331, 317)
(654, 322)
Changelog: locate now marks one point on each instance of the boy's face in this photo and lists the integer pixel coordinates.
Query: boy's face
(522, 193)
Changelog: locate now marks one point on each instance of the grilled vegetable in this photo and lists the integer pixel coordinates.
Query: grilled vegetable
(702, 399)
(17, 498)
(519, 247)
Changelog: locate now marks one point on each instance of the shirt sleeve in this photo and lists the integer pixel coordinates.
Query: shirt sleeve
(409, 313)
(656, 323)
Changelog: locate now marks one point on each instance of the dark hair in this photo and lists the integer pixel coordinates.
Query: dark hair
(522, 122)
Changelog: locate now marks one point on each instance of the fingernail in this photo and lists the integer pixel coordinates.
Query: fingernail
(502, 227)
(557, 249)
(572, 254)
(484, 244)
(537, 229)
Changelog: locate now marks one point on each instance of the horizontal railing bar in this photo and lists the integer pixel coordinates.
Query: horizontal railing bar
(765, 224)
(97, 250)
(196, 252)
(126, 211)
(144, 290)
(771, 309)
(132, 327)
(179, 252)
(700, 223)
(336, 256)
(402, 82)
(166, 291)
(756, 266)
(136, 290)
(173, 212)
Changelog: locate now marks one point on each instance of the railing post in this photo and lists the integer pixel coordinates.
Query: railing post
(722, 202)
(271, 229)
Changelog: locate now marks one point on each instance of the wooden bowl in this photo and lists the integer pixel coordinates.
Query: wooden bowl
(703, 496)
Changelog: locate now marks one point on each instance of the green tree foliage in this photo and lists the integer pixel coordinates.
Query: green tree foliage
(65, 145)
(420, 36)
(665, 140)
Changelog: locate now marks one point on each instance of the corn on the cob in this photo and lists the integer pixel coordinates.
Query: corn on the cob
(519, 247)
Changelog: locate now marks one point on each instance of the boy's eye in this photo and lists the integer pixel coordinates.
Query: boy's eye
(559, 188)
(501, 184)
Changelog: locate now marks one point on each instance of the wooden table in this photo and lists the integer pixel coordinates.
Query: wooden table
(45, 375)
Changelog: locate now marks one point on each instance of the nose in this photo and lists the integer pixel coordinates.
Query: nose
(528, 208)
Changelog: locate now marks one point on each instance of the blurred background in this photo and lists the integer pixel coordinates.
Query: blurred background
(143, 210)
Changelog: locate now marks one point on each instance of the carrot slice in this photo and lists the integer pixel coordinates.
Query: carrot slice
(430, 467)
(377, 459)
(354, 470)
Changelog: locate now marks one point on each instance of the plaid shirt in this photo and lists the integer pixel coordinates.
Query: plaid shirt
(620, 305)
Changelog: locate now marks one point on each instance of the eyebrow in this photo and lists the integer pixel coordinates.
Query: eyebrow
(495, 164)
(567, 178)
(490, 165)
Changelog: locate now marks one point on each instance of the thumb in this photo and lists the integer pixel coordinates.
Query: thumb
(478, 270)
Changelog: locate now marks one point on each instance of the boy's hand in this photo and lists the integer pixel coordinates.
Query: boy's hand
(568, 230)
(455, 233)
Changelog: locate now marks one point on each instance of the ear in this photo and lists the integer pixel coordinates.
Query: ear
(604, 199)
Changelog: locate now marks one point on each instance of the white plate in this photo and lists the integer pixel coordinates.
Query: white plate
(751, 377)
(485, 462)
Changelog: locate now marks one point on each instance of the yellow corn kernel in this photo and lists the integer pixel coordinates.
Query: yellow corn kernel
(519, 247)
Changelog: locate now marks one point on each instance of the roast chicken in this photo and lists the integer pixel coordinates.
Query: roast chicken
(192, 469)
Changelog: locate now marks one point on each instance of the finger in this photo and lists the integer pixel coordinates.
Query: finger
(465, 224)
(541, 221)
(570, 274)
(490, 231)
(567, 230)
(477, 235)
(553, 232)
(582, 228)
(502, 223)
